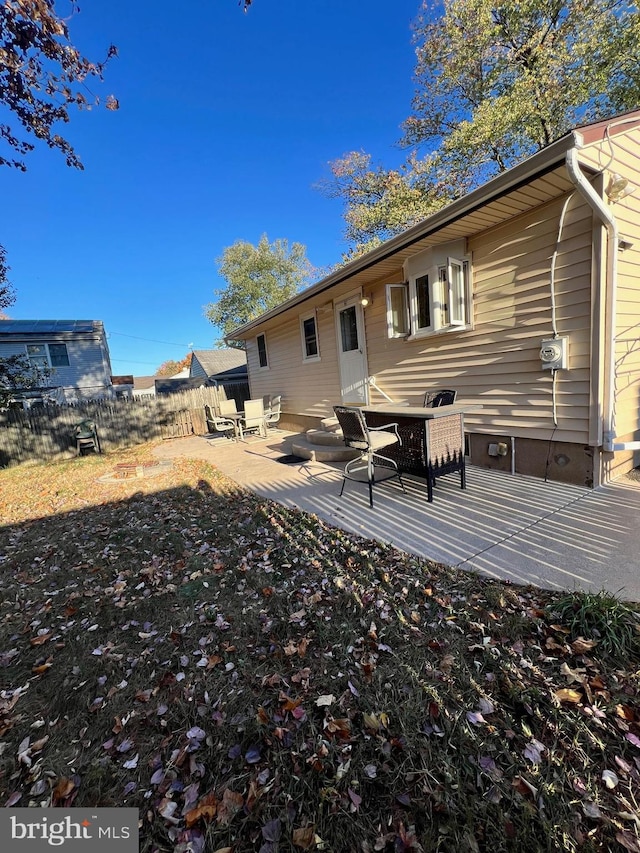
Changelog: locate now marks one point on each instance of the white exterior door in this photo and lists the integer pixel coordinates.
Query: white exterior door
(352, 354)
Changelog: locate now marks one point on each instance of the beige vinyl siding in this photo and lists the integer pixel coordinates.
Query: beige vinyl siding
(622, 155)
(497, 361)
(494, 362)
(307, 387)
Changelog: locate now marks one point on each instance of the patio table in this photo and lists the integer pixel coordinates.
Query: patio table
(236, 417)
(432, 439)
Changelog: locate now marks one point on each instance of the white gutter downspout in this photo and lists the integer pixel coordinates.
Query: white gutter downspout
(604, 214)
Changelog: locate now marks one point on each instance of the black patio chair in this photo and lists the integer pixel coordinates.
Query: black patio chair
(368, 441)
(86, 437)
(442, 397)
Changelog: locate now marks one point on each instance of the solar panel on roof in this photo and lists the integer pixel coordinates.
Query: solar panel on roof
(46, 326)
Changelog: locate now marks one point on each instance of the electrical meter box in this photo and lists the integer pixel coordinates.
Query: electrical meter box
(554, 353)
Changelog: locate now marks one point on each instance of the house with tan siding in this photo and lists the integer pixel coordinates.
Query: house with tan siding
(523, 296)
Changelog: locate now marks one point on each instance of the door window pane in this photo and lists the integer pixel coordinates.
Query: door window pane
(349, 329)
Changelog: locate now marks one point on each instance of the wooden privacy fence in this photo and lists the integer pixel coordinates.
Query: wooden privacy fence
(39, 434)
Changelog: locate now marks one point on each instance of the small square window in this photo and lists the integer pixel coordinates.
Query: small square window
(261, 341)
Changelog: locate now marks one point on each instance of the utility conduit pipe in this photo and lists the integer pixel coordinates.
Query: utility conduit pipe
(585, 189)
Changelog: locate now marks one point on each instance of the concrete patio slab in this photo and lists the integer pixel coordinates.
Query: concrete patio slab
(514, 528)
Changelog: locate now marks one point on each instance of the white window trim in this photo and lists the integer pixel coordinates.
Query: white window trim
(404, 287)
(47, 355)
(434, 273)
(310, 315)
(266, 351)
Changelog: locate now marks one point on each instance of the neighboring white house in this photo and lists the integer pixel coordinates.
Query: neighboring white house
(74, 354)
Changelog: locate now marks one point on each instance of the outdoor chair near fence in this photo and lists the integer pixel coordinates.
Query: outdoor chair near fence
(216, 423)
(254, 418)
(227, 407)
(441, 397)
(272, 409)
(86, 437)
(369, 441)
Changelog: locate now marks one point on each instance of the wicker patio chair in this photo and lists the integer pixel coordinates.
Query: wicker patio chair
(368, 441)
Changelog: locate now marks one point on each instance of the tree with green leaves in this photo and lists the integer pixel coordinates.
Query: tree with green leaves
(496, 82)
(499, 81)
(381, 202)
(7, 293)
(258, 278)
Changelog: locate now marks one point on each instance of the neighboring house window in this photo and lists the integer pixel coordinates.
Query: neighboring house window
(58, 355)
(309, 331)
(47, 355)
(262, 351)
(436, 300)
(37, 355)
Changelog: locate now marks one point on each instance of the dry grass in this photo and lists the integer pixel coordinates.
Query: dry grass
(252, 679)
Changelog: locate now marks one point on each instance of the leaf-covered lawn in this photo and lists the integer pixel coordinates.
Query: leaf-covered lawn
(252, 679)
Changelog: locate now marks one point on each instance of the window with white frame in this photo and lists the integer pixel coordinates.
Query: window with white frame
(309, 333)
(398, 310)
(44, 356)
(436, 298)
(261, 342)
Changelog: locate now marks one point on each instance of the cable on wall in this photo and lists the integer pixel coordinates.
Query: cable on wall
(554, 259)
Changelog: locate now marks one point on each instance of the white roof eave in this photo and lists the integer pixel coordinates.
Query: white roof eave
(520, 174)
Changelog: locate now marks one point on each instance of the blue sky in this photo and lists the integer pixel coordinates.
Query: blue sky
(226, 121)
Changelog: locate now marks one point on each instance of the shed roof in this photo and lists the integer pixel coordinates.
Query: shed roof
(218, 361)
